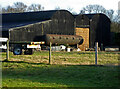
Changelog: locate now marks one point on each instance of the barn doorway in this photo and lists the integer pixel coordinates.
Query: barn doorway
(84, 32)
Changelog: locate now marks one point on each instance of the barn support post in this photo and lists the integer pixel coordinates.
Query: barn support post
(50, 62)
(7, 53)
(96, 53)
(75, 27)
(42, 29)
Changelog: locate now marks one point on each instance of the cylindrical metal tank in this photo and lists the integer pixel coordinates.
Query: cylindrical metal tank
(63, 39)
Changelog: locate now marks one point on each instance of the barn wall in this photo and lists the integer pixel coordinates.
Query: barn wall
(99, 25)
(61, 22)
(32, 32)
(100, 29)
(82, 21)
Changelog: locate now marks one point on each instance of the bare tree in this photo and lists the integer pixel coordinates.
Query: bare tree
(3, 10)
(97, 9)
(0, 9)
(8, 9)
(117, 18)
(57, 8)
(82, 12)
(93, 9)
(110, 13)
(74, 13)
(88, 9)
(70, 9)
(19, 7)
(35, 7)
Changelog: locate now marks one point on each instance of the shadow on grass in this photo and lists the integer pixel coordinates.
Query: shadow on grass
(59, 75)
(6, 61)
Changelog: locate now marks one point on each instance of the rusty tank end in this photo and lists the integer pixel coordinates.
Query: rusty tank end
(63, 39)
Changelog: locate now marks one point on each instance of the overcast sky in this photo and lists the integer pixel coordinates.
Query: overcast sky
(64, 4)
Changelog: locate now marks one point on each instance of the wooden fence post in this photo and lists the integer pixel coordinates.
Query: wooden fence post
(50, 53)
(7, 53)
(96, 52)
(77, 46)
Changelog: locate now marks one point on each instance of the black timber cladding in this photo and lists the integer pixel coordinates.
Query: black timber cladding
(99, 25)
(31, 26)
(49, 22)
(82, 21)
(12, 20)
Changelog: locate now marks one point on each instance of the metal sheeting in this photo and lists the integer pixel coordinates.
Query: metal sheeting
(99, 25)
(31, 26)
(82, 21)
(7, 26)
(100, 30)
(61, 22)
(13, 20)
(29, 32)
(27, 16)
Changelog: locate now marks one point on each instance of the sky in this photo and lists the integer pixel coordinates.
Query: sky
(77, 5)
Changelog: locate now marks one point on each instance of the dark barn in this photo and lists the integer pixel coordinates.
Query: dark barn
(31, 26)
(97, 28)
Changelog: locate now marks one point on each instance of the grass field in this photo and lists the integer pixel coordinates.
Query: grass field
(74, 69)
(73, 58)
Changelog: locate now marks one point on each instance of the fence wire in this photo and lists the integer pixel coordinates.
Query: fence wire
(63, 57)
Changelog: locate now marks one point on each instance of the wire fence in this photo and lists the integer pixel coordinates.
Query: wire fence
(63, 57)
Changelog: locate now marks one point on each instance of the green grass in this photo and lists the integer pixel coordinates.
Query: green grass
(18, 74)
(73, 58)
(34, 71)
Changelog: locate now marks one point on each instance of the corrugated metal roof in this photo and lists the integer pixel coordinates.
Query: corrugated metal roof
(90, 16)
(11, 20)
(27, 16)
